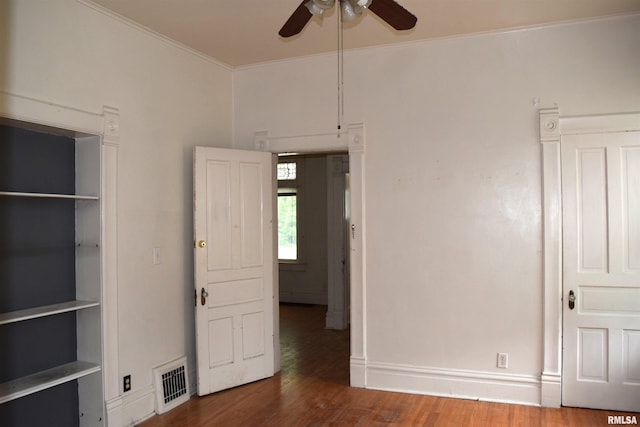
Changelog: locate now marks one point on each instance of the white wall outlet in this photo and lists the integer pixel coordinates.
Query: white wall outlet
(503, 360)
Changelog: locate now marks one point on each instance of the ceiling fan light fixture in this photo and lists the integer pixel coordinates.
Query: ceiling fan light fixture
(317, 7)
(325, 4)
(348, 14)
(351, 9)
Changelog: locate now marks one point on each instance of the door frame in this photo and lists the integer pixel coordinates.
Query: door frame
(552, 127)
(351, 140)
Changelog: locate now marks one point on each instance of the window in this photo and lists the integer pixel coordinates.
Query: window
(287, 227)
(289, 171)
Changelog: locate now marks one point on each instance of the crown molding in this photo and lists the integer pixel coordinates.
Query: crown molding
(148, 31)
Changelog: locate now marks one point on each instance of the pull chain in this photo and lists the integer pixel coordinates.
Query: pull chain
(340, 67)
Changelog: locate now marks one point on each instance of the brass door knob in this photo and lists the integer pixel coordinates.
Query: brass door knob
(202, 244)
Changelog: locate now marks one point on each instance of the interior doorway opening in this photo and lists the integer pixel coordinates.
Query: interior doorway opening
(313, 255)
(351, 140)
(313, 245)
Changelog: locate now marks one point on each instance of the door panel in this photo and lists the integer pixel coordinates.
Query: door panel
(252, 337)
(233, 267)
(251, 214)
(238, 292)
(601, 237)
(220, 342)
(218, 215)
(593, 354)
(631, 197)
(592, 210)
(631, 363)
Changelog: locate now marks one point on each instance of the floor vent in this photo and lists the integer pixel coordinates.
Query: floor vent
(172, 385)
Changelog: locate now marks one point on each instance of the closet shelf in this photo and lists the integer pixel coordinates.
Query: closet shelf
(45, 310)
(43, 380)
(47, 195)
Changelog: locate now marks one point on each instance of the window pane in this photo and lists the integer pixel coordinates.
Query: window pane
(286, 171)
(287, 227)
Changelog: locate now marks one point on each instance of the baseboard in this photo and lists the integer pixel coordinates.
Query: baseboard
(335, 320)
(357, 372)
(138, 405)
(551, 391)
(193, 381)
(476, 385)
(304, 298)
(114, 412)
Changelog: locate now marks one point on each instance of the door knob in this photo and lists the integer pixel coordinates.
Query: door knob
(203, 296)
(572, 300)
(202, 244)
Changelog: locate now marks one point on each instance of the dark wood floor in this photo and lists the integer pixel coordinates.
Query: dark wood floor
(313, 390)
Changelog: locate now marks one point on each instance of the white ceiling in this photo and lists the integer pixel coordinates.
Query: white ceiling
(242, 32)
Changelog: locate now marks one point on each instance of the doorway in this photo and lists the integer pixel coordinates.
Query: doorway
(312, 215)
(564, 302)
(351, 140)
(601, 270)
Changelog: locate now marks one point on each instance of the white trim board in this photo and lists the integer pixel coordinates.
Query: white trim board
(50, 114)
(138, 406)
(485, 386)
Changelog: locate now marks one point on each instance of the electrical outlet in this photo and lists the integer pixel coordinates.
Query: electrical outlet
(503, 360)
(126, 383)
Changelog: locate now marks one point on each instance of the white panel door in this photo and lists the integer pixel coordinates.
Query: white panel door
(601, 241)
(233, 267)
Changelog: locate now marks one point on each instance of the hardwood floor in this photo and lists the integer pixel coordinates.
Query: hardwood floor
(313, 390)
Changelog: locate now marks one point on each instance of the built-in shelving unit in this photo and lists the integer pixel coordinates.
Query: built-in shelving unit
(50, 279)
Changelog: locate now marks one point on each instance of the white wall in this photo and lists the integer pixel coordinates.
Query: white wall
(453, 186)
(170, 100)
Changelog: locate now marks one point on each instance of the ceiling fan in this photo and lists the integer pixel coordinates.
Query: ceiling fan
(390, 12)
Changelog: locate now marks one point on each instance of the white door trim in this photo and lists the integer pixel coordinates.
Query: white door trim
(552, 127)
(351, 140)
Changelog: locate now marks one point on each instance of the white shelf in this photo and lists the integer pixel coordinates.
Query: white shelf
(47, 195)
(39, 381)
(45, 310)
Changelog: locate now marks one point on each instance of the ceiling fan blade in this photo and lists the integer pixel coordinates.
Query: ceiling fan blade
(296, 21)
(393, 14)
